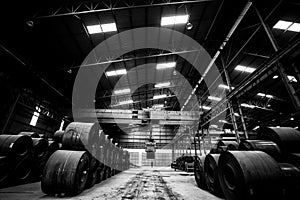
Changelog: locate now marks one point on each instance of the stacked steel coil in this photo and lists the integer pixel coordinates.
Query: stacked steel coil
(88, 153)
(264, 168)
(23, 157)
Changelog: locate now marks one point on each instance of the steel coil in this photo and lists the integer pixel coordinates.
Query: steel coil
(287, 139)
(266, 146)
(199, 172)
(65, 172)
(211, 174)
(81, 136)
(30, 134)
(58, 135)
(249, 175)
(15, 145)
(290, 180)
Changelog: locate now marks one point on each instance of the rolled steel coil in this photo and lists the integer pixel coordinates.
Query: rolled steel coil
(52, 147)
(15, 145)
(40, 148)
(287, 138)
(92, 173)
(81, 136)
(266, 146)
(249, 175)
(66, 172)
(199, 172)
(58, 136)
(211, 174)
(294, 158)
(290, 180)
(232, 144)
(4, 170)
(99, 175)
(22, 168)
(30, 134)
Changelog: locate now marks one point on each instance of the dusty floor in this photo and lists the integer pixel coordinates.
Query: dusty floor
(159, 183)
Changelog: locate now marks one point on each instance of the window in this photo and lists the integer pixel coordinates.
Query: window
(35, 116)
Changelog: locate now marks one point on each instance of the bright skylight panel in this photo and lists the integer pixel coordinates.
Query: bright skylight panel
(225, 86)
(294, 27)
(244, 69)
(171, 20)
(159, 96)
(121, 71)
(111, 73)
(116, 72)
(283, 25)
(94, 29)
(160, 85)
(205, 107)
(109, 27)
(247, 105)
(34, 118)
(165, 65)
(167, 21)
(126, 102)
(181, 19)
(122, 91)
(214, 98)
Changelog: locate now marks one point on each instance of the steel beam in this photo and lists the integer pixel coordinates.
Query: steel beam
(86, 8)
(262, 70)
(223, 44)
(283, 75)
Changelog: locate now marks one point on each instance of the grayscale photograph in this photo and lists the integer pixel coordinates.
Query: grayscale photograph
(150, 100)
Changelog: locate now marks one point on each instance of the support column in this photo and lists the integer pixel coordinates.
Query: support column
(173, 152)
(242, 119)
(230, 103)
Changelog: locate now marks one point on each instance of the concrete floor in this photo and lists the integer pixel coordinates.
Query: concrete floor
(161, 183)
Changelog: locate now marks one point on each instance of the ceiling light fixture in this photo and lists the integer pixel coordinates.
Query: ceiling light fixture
(189, 26)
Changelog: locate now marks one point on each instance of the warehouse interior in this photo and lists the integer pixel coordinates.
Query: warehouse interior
(150, 99)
